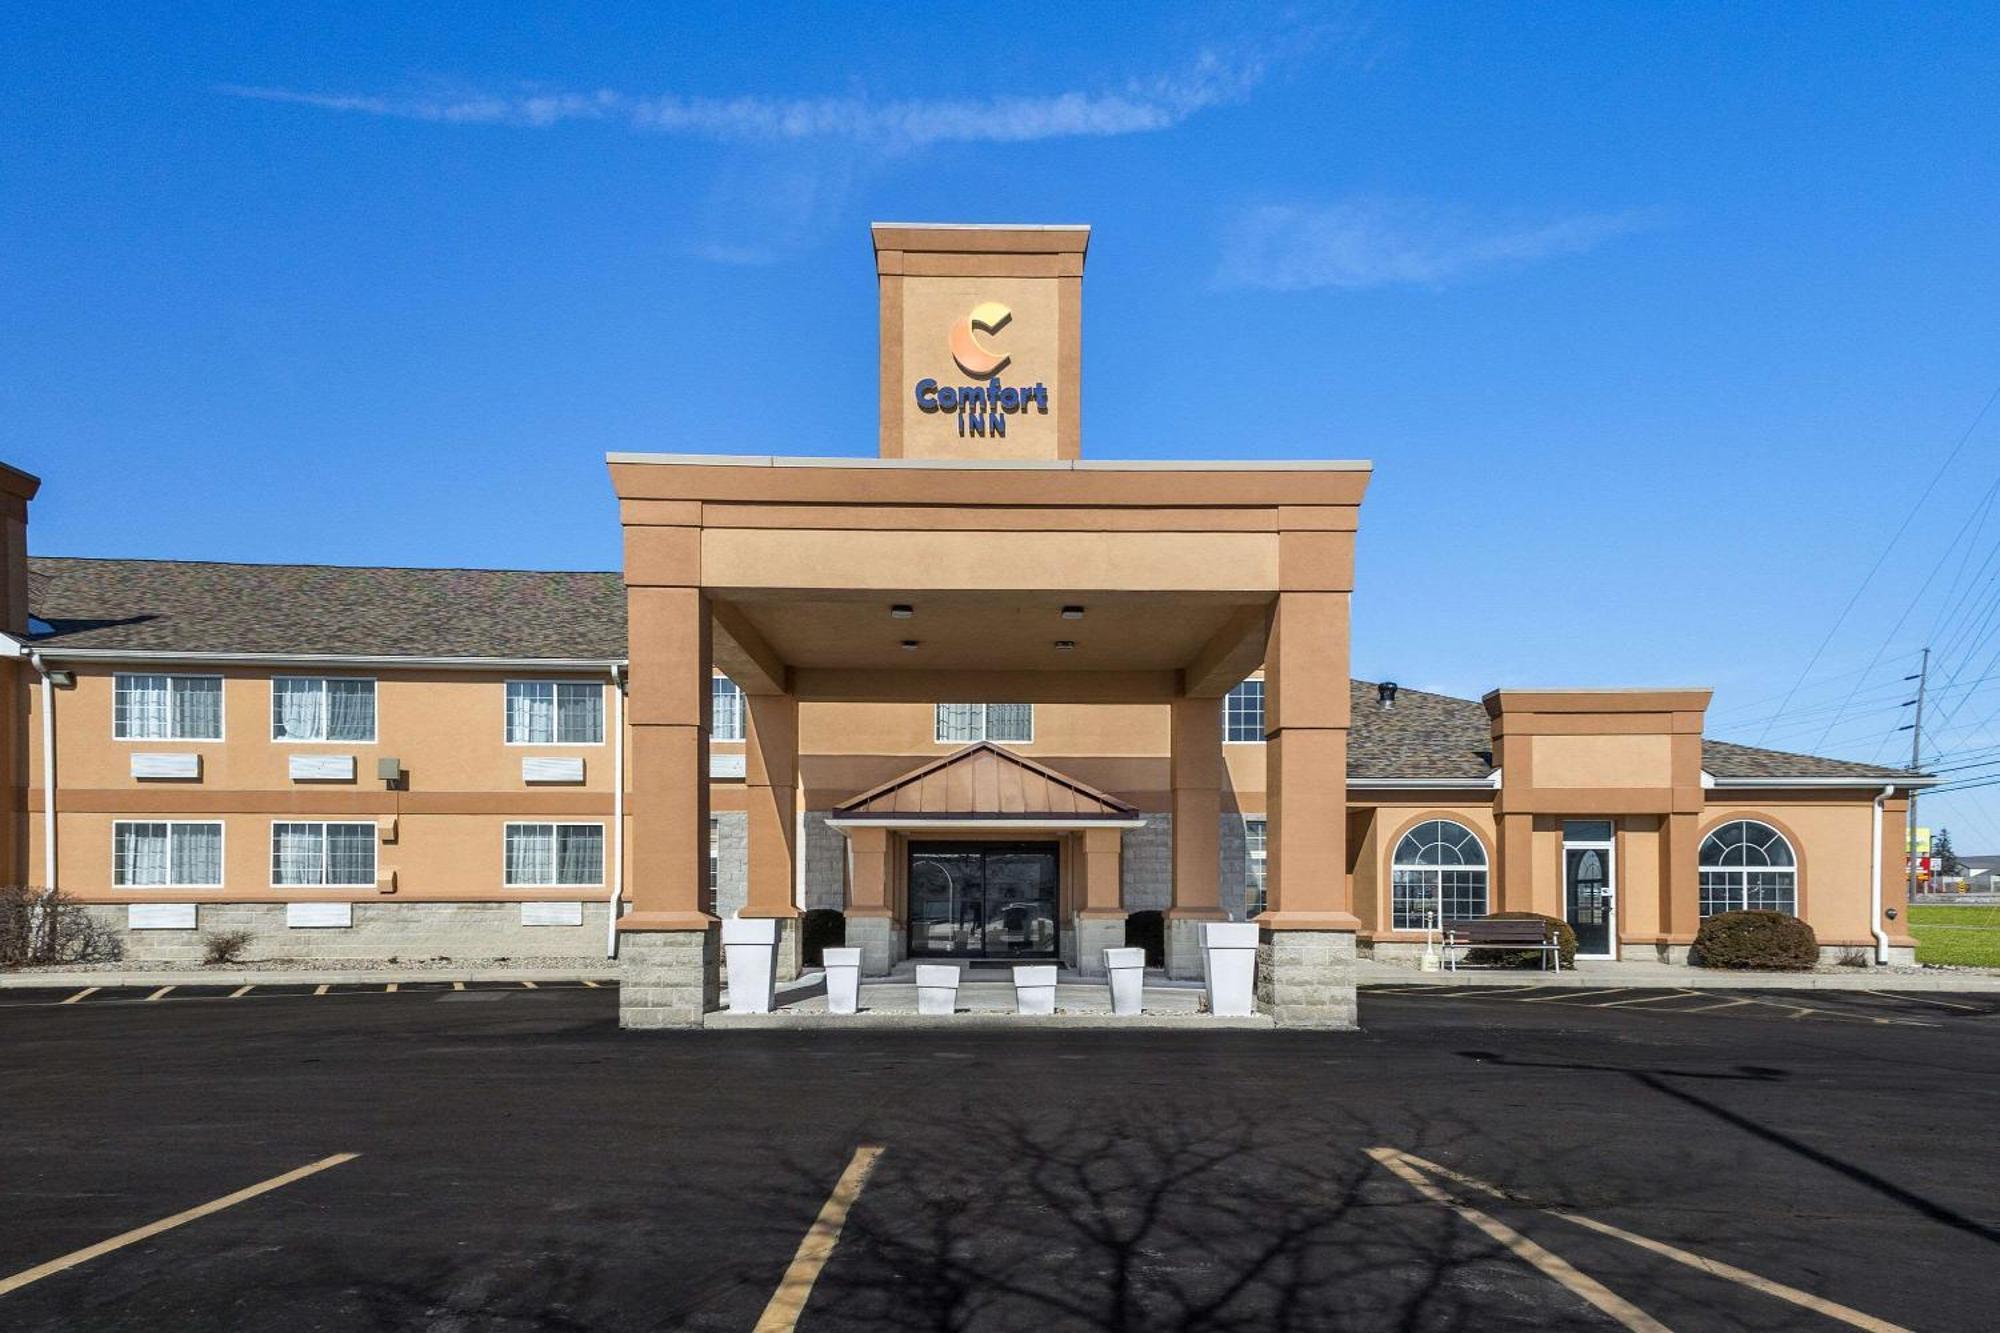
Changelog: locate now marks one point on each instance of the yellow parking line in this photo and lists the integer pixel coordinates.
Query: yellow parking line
(322, 988)
(158, 993)
(1715, 1267)
(389, 989)
(789, 1301)
(1561, 997)
(1726, 1004)
(242, 991)
(1949, 1004)
(458, 985)
(85, 993)
(591, 984)
(527, 985)
(1643, 999)
(1549, 1265)
(89, 1252)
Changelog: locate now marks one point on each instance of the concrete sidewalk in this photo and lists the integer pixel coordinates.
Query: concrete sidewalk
(1666, 976)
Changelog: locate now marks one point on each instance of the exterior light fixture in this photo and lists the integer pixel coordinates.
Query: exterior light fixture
(909, 645)
(62, 680)
(1072, 613)
(1064, 645)
(902, 611)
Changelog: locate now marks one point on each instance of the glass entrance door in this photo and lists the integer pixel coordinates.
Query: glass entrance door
(983, 899)
(1589, 895)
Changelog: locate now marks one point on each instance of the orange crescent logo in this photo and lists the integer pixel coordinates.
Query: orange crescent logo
(973, 359)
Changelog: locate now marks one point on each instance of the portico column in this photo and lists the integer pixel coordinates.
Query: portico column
(871, 923)
(668, 945)
(770, 795)
(1196, 766)
(1100, 912)
(1306, 963)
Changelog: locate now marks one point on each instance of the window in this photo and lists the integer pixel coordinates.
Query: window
(1253, 868)
(1439, 871)
(153, 854)
(985, 722)
(554, 855)
(321, 708)
(555, 712)
(166, 708)
(1747, 866)
(725, 709)
(1243, 712)
(323, 855)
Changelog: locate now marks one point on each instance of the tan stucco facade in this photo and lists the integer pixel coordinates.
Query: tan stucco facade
(847, 597)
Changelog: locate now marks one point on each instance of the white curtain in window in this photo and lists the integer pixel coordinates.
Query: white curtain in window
(579, 712)
(197, 705)
(297, 854)
(531, 854)
(579, 854)
(197, 854)
(960, 722)
(531, 712)
(139, 855)
(725, 712)
(298, 709)
(142, 709)
(1010, 722)
(350, 710)
(350, 854)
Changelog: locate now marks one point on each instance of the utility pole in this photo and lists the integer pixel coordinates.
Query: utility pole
(1916, 730)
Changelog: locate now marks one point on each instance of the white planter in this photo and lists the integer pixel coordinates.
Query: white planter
(843, 980)
(1127, 970)
(1229, 965)
(1035, 988)
(750, 946)
(937, 988)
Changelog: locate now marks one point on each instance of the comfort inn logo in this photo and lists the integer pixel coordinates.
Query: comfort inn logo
(973, 359)
(982, 409)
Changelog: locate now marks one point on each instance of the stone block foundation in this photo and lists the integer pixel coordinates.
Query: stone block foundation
(876, 937)
(1095, 934)
(380, 930)
(1305, 978)
(669, 978)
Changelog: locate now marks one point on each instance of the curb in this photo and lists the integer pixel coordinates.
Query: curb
(109, 980)
(880, 1021)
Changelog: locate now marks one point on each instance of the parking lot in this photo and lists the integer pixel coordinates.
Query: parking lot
(502, 1157)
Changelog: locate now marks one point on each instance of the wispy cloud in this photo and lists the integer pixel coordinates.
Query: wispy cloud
(1394, 242)
(1136, 107)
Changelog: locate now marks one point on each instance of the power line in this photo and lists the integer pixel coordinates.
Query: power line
(1901, 528)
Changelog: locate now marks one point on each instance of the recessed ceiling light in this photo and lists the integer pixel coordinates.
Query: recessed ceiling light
(1072, 613)
(902, 612)
(1064, 645)
(909, 645)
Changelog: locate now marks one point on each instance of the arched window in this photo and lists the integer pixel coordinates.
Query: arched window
(1440, 869)
(1748, 866)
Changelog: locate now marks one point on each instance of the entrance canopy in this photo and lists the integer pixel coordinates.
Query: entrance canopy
(984, 786)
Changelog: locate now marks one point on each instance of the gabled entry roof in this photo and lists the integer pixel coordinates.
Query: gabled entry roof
(983, 781)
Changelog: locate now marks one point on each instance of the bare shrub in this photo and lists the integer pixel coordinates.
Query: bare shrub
(39, 927)
(224, 946)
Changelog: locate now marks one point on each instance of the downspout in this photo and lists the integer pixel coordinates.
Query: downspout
(617, 812)
(1875, 883)
(48, 772)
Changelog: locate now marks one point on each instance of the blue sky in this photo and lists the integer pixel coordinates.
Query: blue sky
(1656, 321)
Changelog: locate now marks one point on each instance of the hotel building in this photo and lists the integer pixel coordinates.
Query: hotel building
(983, 696)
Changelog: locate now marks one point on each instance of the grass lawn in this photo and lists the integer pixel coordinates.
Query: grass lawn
(1968, 936)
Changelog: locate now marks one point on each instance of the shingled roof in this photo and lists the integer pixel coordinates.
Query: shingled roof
(185, 606)
(1438, 736)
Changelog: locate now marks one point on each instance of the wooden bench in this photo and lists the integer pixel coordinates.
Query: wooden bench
(1516, 934)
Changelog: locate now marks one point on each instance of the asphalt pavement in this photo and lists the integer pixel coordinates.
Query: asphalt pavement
(1466, 1161)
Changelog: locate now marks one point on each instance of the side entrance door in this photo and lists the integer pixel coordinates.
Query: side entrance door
(1590, 895)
